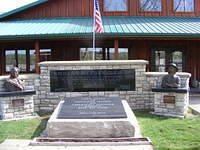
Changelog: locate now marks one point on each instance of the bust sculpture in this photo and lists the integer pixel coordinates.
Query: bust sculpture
(14, 83)
(171, 80)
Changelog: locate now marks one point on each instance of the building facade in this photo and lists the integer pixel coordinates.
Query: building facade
(160, 31)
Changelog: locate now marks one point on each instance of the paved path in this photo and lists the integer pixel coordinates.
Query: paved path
(195, 103)
(24, 145)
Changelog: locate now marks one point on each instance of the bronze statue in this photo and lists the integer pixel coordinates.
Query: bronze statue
(14, 83)
(171, 80)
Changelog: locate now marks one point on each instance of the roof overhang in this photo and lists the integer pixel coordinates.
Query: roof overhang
(6, 14)
(114, 27)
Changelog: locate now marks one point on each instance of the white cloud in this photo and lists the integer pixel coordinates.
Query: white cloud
(7, 5)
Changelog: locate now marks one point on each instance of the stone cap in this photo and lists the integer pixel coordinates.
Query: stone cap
(154, 74)
(94, 63)
(17, 93)
(176, 90)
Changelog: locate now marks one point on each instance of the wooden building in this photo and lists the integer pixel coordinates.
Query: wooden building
(160, 31)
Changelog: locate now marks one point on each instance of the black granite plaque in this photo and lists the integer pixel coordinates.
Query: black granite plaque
(91, 108)
(92, 80)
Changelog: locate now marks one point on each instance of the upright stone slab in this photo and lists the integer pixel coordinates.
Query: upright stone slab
(92, 118)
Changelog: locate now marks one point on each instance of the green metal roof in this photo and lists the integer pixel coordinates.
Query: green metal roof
(80, 27)
(22, 8)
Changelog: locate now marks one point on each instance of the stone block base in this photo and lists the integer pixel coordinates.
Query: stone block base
(92, 128)
(16, 105)
(171, 104)
(167, 115)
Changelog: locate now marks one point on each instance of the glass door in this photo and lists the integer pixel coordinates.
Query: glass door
(161, 57)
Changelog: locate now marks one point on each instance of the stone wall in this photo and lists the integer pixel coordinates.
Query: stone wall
(141, 98)
(138, 99)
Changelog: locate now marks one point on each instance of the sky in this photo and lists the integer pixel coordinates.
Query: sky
(6, 5)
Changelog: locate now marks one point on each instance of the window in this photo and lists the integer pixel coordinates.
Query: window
(150, 5)
(123, 53)
(102, 53)
(160, 61)
(24, 59)
(115, 5)
(32, 60)
(16, 58)
(21, 58)
(45, 54)
(177, 59)
(161, 57)
(10, 59)
(183, 5)
(89, 53)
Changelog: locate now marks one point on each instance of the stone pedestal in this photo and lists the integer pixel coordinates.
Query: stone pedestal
(171, 102)
(18, 104)
(92, 128)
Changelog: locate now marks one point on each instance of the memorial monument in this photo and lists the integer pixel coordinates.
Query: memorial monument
(172, 98)
(91, 117)
(14, 83)
(15, 101)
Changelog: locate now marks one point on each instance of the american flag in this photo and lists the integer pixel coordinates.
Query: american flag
(97, 16)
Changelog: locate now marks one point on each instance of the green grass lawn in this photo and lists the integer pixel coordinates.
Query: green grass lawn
(165, 133)
(22, 129)
(170, 133)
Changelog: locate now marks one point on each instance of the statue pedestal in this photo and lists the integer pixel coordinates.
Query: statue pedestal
(16, 104)
(171, 102)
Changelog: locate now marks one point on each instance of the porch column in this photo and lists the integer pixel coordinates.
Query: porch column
(37, 56)
(3, 61)
(116, 54)
(104, 53)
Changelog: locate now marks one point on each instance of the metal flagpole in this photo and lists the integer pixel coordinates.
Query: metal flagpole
(94, 23)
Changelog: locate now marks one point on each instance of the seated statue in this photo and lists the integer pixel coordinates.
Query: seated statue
(171, 80)
(14, 83)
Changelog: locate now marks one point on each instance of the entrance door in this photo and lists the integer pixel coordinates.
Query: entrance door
(161, 57)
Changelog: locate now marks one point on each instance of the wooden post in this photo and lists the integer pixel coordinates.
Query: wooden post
(28, 60)
(16, 58)
(108, 54)
(116, 54)
(3, 65)
(104, 53)
(37, 56)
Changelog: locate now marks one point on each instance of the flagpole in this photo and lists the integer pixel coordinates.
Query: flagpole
(94, 32)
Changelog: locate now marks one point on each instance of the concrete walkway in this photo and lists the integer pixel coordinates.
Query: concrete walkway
(24, 145)
(194, 103)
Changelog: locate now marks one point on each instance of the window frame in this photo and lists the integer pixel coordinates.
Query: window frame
(168, 55)
(145, 11)
(116, 11)
(28, 59)
(17, 61)
(185, 12)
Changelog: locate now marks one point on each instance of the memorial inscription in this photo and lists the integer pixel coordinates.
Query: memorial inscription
(91, 108)
(92, 80)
